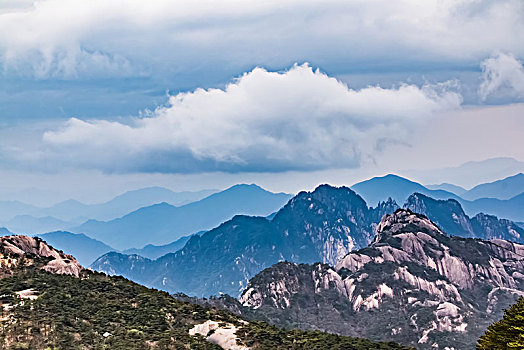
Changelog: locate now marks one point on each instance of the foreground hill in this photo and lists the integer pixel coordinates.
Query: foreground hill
(323, 225)
(163, 223)
(50, 302)
(413, 284)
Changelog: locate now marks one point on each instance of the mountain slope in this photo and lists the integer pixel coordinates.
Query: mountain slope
(413, 284)
(506, 188)
(163, 223)
(398, 188)
(450, 217)
(53, 308)
(323, 225)
(85, 249)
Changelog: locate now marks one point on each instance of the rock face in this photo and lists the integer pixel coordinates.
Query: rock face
(450, 217)
(413, 284)
(18, 250)
(323, 225)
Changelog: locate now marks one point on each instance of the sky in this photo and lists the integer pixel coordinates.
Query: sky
(102, 96)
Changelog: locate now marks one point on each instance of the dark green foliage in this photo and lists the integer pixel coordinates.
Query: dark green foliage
(75, 313)
(507, 333)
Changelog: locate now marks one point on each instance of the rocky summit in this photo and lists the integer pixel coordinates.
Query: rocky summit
(413, 284)
(17, 251)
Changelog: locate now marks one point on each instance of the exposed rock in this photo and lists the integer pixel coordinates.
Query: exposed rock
(429, 289)
(18, 249)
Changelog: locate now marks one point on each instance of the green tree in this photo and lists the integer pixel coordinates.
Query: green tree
(507, 333)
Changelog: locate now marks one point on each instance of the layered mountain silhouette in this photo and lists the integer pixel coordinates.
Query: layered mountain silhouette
(163, 223)
(319, 226)
(323, 225)
(413, 284)
(506, 188)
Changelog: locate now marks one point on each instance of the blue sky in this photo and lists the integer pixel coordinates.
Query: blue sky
(205, 94)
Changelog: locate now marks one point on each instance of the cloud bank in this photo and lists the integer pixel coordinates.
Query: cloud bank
(300, 119)
(81, 39)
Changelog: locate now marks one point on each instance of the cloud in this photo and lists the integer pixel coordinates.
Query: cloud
(300, 119)
(502, 74)
(92, 38)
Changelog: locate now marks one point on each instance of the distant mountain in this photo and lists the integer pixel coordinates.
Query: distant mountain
(85, 249)
(512, 209)
(5, 232)
(501, 189)
(398, 188)
(163, 223)
(10, 209)
(151, 251)
(413, 285)
(27, 224)
(122, 204)
(471, 173)
(450, 217)
(323, 225)
(448, 187)
(51, 302)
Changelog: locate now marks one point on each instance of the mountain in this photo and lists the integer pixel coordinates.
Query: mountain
(10, 209)
(85, 249)
(122, 204)
(413, 284)
(501, 189)
(5, 232)
(28, 224)
(163, 223)
(50, 302)
(450, 217)
(319, 226)
(151, 251)
(398, 188)
(471, 173)
(323, 225)
(512, 209)
(448, 187)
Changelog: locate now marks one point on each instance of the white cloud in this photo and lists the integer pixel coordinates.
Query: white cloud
(502, 74)
(300, 119)
(53, 38)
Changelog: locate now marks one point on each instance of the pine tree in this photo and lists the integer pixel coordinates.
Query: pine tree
(507, 333)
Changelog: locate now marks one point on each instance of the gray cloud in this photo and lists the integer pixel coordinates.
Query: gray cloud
(103, 38)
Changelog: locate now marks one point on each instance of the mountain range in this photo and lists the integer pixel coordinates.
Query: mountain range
(22, 217)
(163, 223)
(381, 188)
(319, 226)
(413, 284)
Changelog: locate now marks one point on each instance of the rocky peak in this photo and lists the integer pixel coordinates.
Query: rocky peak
(404, 221)
(18, 249)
